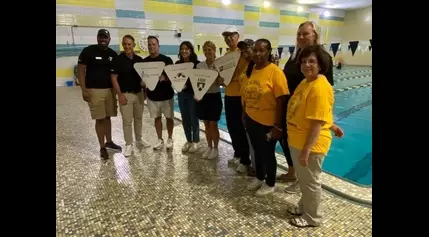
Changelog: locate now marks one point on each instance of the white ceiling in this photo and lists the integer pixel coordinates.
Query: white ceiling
(331, 4)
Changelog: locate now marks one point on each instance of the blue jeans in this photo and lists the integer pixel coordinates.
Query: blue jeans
(188, 110)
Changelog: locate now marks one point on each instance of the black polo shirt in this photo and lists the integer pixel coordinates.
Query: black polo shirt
(163, 90)
(188, 84)
(98, 63)
(128, 78)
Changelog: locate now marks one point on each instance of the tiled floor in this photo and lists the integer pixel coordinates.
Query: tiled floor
(169, 194)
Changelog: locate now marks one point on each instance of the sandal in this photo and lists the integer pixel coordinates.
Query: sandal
(285, 178)
(294, 210)
(300, 222)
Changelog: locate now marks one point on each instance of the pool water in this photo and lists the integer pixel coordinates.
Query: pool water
(350, 157)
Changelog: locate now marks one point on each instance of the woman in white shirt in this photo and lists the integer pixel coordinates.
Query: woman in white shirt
(209, 108)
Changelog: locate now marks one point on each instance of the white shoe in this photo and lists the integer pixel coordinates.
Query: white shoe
(293, 188)
(194, 147)
(186, 146)
(234, 160)
(128, 150)
(214, 153)
(265, 190)
(136, 151)
(143, 143)
(255, 184)
(158, 145)
(169, 144)
(242, 168)
(206, 153)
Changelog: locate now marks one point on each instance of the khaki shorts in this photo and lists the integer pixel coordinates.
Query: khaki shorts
(157, 108)
(103, 103)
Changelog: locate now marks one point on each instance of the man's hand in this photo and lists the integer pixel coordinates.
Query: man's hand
(142, 84)
(122, 99)
(162, 78)
(85, 95)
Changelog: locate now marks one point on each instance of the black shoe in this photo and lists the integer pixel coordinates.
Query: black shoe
(103, 153)
(113, 146)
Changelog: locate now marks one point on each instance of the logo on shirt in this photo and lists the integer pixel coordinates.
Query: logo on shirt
(201, 83)
(110, 58)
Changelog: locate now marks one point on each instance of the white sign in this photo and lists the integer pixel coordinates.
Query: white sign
(201, 80)
(226, 66)
(150, 72)
(178, 74)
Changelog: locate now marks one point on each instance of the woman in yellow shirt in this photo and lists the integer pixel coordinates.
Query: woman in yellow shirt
(263, 95)
(309, 119)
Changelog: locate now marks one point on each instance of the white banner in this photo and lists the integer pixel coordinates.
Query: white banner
(150, 72)
(226, 65)
(201, 80)
(178, 74)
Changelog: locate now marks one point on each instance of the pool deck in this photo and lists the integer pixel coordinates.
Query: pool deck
(330, 182)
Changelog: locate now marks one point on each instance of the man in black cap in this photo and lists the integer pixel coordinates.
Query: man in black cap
(94, 65)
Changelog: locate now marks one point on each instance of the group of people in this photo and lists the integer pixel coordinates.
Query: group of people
(263, 105)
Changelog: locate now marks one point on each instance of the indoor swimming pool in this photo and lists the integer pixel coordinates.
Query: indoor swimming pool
(350, 157)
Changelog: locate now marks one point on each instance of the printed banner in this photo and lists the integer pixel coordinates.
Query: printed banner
(201, 80)
(178, 74)
(226, 65)
(150, 72)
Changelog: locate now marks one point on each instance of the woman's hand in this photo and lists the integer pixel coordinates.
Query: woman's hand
(195, 98)
(303, 158)
(220, 81)
(338, 132)
(276, 133)
(122, 99)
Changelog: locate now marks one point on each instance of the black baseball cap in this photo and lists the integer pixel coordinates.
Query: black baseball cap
(103, 32)
(246, 42)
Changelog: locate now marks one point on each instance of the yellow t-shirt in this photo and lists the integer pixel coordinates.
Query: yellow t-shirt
(233, 88)
(311, 101)
(243, 80)
(260, 92)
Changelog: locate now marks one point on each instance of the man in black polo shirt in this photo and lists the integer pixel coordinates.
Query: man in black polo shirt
(126, 82)
(95, 62)
(160, 100)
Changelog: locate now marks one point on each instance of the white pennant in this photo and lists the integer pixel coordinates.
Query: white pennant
(178, 74)
(201, 80)
(226, 66)
(150, 72)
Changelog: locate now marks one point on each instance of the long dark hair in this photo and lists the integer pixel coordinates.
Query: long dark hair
(193, 57)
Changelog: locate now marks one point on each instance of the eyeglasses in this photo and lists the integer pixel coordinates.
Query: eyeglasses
(310, 62)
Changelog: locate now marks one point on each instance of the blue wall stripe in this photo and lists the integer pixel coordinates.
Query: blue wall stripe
(184, 2)
(221, 21)
(293, 13)
(334, 18)
(248, 8)
(63, 50)
(269, 24)
(129, 14)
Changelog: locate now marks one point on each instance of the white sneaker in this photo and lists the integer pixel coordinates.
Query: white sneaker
(143, 143)
(136, 151)
(293, 188)
(206, 153)
(169, 143)
(242, 168)
(158, 145)
(265, 190)
(214, 153)
(186, 146)
(194, 147)
(128, 150)
(255, 184)
(234, 160)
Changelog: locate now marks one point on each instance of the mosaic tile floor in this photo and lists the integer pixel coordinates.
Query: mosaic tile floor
(158, 193)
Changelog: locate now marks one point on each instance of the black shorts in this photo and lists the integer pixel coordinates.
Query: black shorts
(209, 108)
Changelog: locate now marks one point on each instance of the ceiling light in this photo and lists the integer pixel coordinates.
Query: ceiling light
(267, 4)
(326, 13)
(299, 9)
(226, 2)
(310, 1)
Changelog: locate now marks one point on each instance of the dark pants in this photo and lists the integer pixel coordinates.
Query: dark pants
(188, 110)
(283, 141)
(234, 122)
(265, 159)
